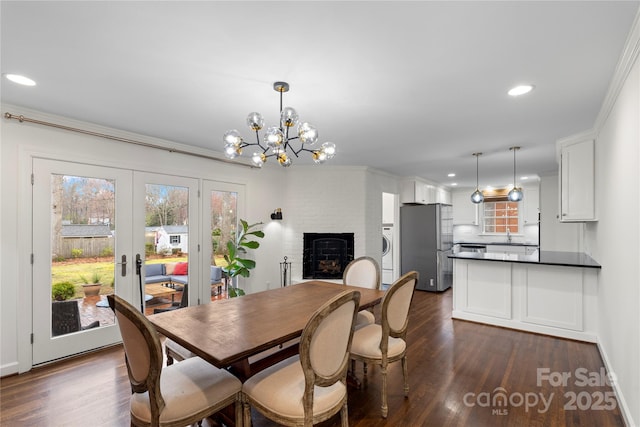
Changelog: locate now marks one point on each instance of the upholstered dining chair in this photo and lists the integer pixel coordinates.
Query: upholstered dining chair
(385, 343)
(312, 386)
(365, 273)
(178, 395)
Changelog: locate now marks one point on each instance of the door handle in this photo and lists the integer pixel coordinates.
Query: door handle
(124, 265)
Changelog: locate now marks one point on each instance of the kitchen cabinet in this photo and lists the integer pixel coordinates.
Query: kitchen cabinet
(443, 196)
(416, 192)
(464, 211)
(577, 180)
(545, 299)
(531, 205)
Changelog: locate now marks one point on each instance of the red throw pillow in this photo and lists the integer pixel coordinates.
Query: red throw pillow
(182, 269)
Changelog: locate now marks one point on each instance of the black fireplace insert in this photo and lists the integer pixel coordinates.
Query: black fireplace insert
(325, 255)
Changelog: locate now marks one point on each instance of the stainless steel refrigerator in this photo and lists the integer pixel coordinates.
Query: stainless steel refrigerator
(426, 240)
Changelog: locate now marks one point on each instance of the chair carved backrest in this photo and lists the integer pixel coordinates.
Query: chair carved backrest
(325, 345)
(395, 309)
(143, 352)
(363, 272)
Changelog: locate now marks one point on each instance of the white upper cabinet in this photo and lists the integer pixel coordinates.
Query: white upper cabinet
(577, 180)
(414, 191)
(464, 211)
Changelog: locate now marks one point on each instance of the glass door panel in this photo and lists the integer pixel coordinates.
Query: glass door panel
(164, 209)
(221, 207)
(81, 230)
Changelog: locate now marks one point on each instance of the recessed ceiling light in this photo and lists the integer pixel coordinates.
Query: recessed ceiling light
(451, 175)
(524, 177)
(520, 90)
(21, 80)
(453, 184)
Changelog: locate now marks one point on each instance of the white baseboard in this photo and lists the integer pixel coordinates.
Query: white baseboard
(624, 408)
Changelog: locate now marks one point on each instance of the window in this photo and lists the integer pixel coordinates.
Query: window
(500, 216)
(174, 239)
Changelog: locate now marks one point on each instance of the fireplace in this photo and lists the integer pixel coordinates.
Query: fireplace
(325, 255)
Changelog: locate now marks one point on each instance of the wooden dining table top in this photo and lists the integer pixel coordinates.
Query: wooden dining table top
(229, 331)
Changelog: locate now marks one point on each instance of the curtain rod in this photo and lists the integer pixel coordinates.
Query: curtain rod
(22, 118)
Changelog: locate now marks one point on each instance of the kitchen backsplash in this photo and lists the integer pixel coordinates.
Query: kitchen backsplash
(472, 233)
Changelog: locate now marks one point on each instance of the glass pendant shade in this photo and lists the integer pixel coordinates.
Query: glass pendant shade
(515, 195)
(273, 137)
(232, 151)
(289, 117)
(232, 137)
(255, 121)
(307, 133)
(329, 149)
(477, 196)
(258, 159)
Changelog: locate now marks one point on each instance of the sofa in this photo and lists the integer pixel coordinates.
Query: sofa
(175, 273)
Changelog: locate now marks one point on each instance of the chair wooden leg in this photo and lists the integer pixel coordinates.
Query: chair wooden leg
(405, 376)
(344, 415)
(384, 409)
(238, 406)
(246, 422)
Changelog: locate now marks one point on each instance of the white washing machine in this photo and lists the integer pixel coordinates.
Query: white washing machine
(387, 254)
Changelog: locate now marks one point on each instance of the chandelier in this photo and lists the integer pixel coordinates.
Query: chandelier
(276, 141)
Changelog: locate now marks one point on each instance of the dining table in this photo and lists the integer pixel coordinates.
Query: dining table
(249, 333)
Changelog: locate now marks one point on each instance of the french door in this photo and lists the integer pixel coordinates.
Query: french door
(92, 224)
(82, 232)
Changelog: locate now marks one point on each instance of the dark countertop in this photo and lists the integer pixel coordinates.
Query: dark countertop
(494, 243)
(567, 259)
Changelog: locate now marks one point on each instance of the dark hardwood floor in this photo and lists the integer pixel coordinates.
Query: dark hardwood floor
(459, 372)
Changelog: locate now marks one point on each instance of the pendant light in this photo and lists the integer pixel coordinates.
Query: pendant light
(515, 195)
(477, 196)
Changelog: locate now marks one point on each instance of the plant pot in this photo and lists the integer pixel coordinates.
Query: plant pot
(91, 289)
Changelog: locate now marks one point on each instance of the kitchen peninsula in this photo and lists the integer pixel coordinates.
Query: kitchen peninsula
(552, 293)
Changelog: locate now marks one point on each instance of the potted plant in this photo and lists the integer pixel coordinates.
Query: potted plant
(236, 249)
(91, 287)
(63, 291)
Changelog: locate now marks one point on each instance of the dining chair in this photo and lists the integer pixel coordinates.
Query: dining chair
(178, 395)
(385, 343)
(365, 273)
(312, 386)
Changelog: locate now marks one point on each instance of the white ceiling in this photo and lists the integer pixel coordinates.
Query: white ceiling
(412, 88)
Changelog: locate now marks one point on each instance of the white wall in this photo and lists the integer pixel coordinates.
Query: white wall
(615, 241)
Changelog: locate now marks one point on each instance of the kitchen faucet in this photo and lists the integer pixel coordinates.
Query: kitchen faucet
(508, 235)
